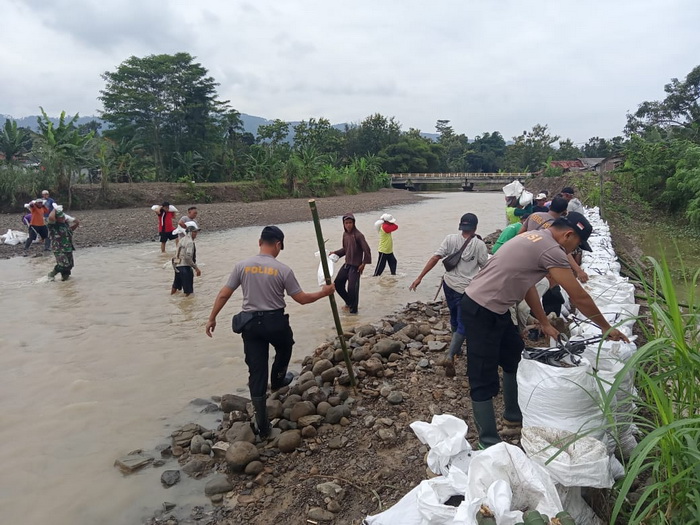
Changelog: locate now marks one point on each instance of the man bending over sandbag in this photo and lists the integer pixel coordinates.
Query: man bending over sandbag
(492, 338)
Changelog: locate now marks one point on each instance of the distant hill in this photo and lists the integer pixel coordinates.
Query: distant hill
(251, 123)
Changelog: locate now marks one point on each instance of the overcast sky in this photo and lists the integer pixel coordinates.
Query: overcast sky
(485, 65)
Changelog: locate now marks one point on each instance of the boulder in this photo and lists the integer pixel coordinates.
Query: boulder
(196, 444)
(319, 514)
(305, 421)
(133, 462)
(240, 431)
(231, 402)
(327, 376)
(274, 408)
(292, 399)
(386, 347)
(197, 464)
(289, 441)
(373, 366)
(306, 376)
(219, 484)
(321, 366)
(254, 468)
(334, 414)
(239, 454)
(366, 330)
(303, 408)
(169, 478)
(323, 406)
(360, 354)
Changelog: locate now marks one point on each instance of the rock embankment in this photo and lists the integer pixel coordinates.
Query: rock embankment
(336, 454)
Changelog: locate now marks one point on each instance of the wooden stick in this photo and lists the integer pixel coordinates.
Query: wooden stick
(334, 306)
(439, 288)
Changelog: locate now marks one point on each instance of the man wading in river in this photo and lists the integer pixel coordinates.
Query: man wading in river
(357, 254)
(263, 322)
(492, 338)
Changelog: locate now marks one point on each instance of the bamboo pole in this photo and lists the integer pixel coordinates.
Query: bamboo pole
(334, 306)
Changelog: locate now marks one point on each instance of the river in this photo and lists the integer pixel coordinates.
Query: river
(108, 362)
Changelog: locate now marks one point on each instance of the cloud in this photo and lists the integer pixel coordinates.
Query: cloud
(484, 65)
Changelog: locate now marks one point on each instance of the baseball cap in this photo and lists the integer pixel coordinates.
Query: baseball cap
(581, 226)
(468, 222)
(541, 197)
(569, 190)
(272, 233)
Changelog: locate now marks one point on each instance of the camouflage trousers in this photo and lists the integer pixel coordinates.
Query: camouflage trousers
(64, 263)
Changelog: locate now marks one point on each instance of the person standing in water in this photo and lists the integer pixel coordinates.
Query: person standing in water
(60, 230)
(386, 225)
(357, 254)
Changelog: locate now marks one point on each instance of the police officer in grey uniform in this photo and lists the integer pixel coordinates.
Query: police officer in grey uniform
(264, 281)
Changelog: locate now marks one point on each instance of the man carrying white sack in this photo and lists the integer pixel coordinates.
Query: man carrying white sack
(492, 338)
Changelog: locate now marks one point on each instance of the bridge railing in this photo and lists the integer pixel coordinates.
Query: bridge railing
(504, 176)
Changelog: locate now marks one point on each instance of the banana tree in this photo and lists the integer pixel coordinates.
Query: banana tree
(14, 141)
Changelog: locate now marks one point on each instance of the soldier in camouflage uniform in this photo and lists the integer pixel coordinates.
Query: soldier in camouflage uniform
(61, 230)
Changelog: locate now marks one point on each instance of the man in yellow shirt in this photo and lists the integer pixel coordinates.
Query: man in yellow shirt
(386, 225)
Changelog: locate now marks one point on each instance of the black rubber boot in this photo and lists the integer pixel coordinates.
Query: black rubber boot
(485, 423)
(511, 414)
(281, 382)
(261, 422)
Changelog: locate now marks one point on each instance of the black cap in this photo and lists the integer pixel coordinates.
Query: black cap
(468, 222)
(165, 204)
(272, 233)
(581, 226)
(569, 190)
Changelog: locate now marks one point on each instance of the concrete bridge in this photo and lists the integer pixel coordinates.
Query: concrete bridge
(414, 181)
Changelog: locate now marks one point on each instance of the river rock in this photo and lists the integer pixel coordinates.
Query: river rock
(386, 347)
(231, 402)
(306, 376)
(305, 421)
(437, 346)
(274, 408)
(197, 464)
(133, 462)
(335, 443)
(289, 441)
(240, 431)
(319, 514)
(303, 408)
(254, 468)
(386, 434)
(321, 366)
(169, 478)
(322, 407)
(366, 330)
(219, 449)
(309, 431)
(410, 331)
(330, 489)
(334, 414)
(360, 354)
(423, 363)
(303, 387)
(219, 484)
(315, 395)
(373, 366)
(196, 444)
(424, 329)
(292, 399)
(395, 398)
(329, 375)
(239, 454)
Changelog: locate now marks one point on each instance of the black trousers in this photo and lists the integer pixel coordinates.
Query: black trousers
(385, 258)
(349, 274)
(492, 341)
(265, 329)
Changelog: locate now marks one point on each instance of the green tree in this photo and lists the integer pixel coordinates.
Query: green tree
(486, 153)
(567, 150)
(454, 148)
(273, 134)
(374, 133)
(14, 141)
(411, 154)
(530, 150)
(678, 114)
(320, 135)
(63, 150)
(166, 102)
(602, 148)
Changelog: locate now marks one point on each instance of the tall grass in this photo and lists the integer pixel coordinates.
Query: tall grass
(19, 184)
(667, 376)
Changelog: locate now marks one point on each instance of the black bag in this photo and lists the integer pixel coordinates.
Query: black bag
(451, 261)
(240, 320)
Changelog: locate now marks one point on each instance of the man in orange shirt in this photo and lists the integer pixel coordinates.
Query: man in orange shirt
(37, 225)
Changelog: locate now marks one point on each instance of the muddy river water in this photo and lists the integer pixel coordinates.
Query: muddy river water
(108, 362)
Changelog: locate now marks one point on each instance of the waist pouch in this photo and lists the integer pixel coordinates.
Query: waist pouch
(240, 320)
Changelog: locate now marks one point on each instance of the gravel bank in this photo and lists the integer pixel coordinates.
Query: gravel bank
(124, 225)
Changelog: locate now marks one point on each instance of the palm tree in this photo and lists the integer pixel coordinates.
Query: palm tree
(14, 141)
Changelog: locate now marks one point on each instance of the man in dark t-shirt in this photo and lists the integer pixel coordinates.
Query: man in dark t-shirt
(492, 338)
(264, 281)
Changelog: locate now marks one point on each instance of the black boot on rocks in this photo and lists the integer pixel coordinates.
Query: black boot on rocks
(261, 422)
(279, 382)
(485, 423)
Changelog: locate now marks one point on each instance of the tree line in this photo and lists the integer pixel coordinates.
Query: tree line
(166, 122)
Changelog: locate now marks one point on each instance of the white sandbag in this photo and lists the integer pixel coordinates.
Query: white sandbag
(604, 291)
(570, 461)
(404, 511)
(14, 237)
(500, 469)
(156, 207)
(433, 493)
(514, 189)
(330, 260)
(525, 198)
(445, 435)
(561, 398)
(573, 503)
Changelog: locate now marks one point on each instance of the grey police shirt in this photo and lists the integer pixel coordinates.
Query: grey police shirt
(518, 265)
(474, 257)
(264, 280)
